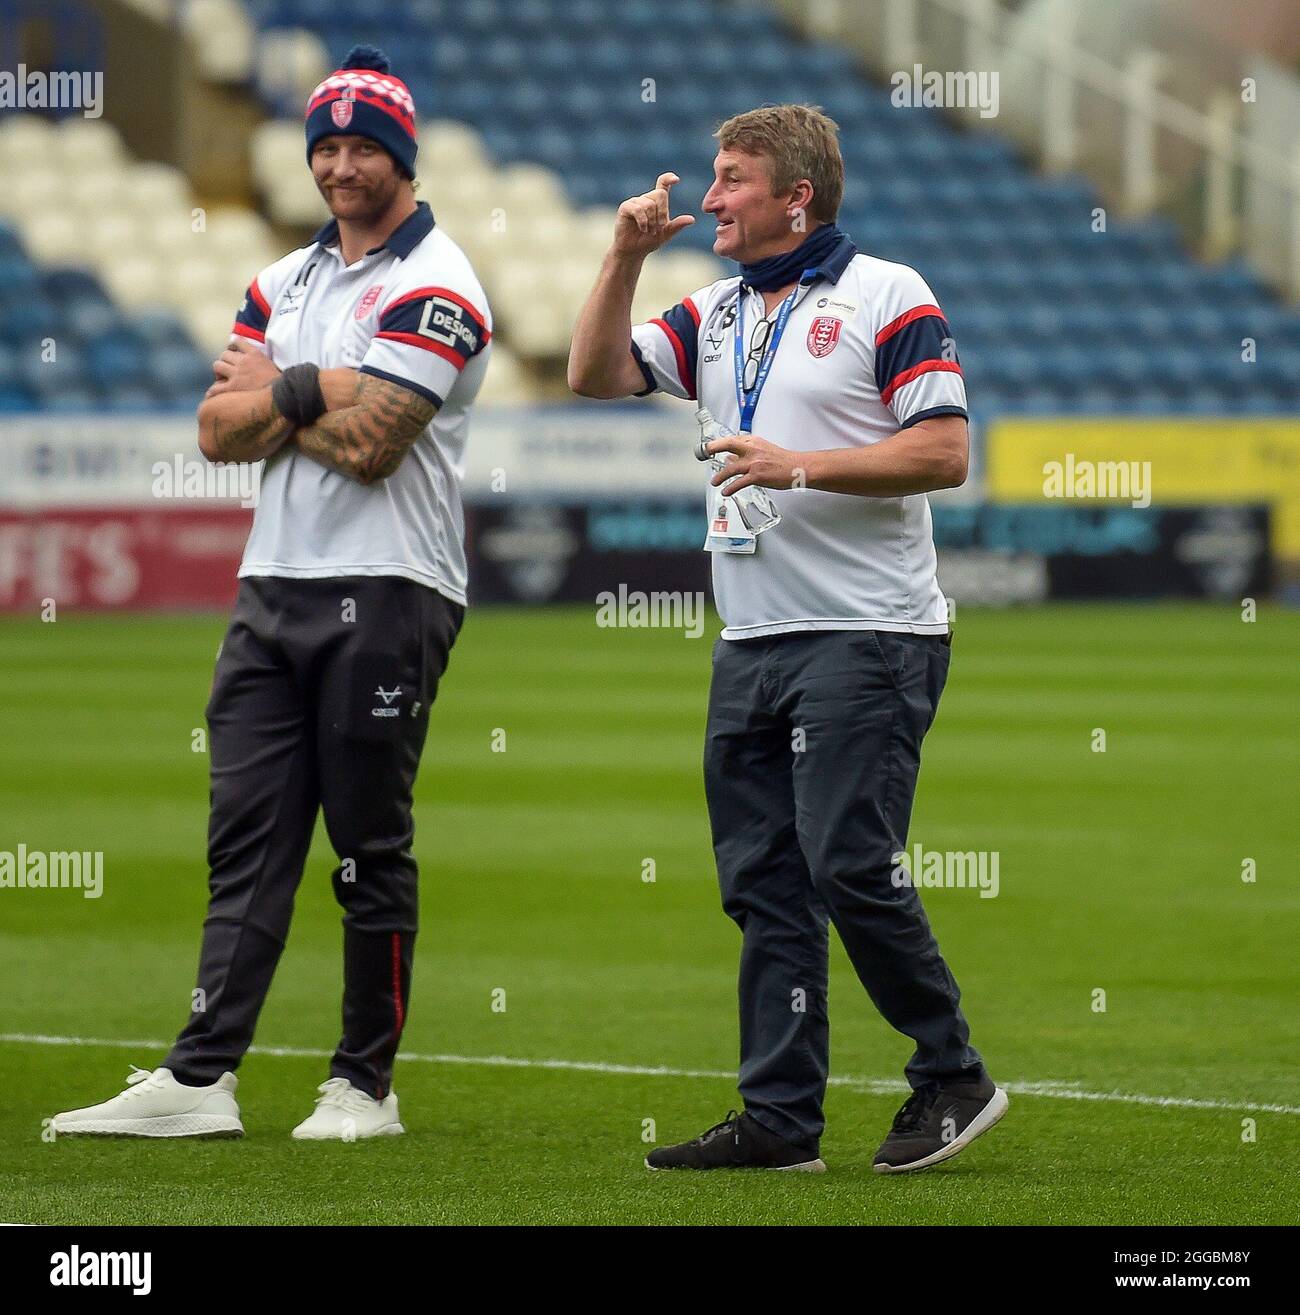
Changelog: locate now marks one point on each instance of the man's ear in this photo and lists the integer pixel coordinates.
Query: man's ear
(801, 196)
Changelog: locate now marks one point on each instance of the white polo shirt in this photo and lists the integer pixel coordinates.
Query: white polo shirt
(866, 352)
(410, 311)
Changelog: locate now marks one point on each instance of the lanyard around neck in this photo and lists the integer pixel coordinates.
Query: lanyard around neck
(748, 401)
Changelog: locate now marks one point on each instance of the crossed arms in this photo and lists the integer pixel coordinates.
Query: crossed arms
(369, 425)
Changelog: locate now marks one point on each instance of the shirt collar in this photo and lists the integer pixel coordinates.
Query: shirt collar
(832, 268)
(401, 241)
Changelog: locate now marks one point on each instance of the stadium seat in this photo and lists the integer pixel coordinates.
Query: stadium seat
(288, 64)
(222, 38)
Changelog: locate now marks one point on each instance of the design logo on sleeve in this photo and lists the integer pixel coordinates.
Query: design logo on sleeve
(823, 334)
(444, 322)
(438, 320)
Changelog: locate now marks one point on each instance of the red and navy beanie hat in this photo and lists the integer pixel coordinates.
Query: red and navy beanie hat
(361, 97)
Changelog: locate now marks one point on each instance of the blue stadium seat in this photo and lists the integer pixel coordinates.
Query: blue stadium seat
(12, 254)
(29, 319)
(75, 399)
(128, 398)
(9, 372)
(174, 366)
(115, 362)
(49, 378)
(73, 285)
(15, 399)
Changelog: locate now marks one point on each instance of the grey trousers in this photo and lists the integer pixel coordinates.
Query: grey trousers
(811, 758)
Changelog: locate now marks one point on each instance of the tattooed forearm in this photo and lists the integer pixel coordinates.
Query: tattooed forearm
(241, 426)
(367, 440)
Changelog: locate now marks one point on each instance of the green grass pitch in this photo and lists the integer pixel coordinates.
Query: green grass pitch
(1119, 871)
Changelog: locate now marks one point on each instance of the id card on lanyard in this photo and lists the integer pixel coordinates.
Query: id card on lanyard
(748, 401)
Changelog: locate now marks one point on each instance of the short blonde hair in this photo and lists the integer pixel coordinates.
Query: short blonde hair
(801, 142)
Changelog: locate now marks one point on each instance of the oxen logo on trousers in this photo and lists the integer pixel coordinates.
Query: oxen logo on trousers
(388, 695)
(823, 334)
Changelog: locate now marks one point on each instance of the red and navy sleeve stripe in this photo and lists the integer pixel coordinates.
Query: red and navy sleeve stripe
(435, 320)
(681, 324)
(916, 343)
(254, 315)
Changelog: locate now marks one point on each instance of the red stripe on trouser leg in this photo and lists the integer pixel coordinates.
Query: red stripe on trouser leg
(399, 1015)
(377, 976)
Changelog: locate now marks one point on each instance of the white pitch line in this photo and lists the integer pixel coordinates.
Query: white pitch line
(876, 1086)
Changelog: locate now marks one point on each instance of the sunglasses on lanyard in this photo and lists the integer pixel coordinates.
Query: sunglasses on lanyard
(758, 341)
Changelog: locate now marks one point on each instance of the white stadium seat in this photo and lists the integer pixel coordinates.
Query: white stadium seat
(112, 235)
(92, 189)
(449, 148)
(170, 233)
(54, 237)
(222, 37)
(210, 322)
(36, 188)
(276, 146)
(152, 187)
(506, 382)
(89, 144)
(136, 280)
(288, 64)
(531, 187)
(25, 140)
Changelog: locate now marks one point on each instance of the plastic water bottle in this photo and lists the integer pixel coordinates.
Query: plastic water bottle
(756, 508)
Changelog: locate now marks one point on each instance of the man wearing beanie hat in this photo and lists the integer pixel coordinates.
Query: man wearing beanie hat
(351, 372)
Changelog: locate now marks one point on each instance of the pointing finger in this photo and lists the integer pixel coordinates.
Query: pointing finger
(728, 443)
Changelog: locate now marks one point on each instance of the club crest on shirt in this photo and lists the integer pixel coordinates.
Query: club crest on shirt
(367, 302)
(823, 334)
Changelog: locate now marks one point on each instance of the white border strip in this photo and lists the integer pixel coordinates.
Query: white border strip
(877, 1086)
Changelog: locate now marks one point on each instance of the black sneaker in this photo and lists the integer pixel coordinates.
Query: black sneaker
(738, 1142)
(937, 1120)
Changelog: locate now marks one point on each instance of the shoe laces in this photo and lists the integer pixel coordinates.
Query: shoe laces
(341, 1093)
(916, 1108)
(730, 1124)
(142, 1079)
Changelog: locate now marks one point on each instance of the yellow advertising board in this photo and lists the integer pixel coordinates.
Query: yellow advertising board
(1182, 460)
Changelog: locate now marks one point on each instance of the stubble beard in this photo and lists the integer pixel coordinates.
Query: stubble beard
(376, 200)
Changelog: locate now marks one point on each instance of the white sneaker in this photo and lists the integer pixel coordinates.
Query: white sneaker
(156, 1105)
(345, 1113)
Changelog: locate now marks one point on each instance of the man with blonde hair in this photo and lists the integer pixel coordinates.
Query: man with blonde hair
(836, 643)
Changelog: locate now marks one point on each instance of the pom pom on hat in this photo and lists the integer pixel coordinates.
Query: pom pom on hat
(370, 57)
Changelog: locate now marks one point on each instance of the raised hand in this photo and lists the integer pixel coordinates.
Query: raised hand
(644, 225)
